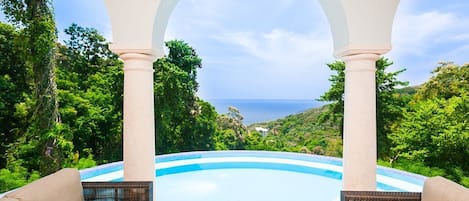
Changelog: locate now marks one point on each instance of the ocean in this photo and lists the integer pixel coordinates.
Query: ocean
(262, 110)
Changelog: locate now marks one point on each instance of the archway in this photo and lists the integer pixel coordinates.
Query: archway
(361, 32)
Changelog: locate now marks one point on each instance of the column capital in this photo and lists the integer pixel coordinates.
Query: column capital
(363, 56)
(137, 61)
(154, 53)
(351, 51)
(137, 56)
(360, 62)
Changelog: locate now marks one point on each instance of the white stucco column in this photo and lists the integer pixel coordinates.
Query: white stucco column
(359, 154)
(138, 29)
(139, 126)
(361, 30)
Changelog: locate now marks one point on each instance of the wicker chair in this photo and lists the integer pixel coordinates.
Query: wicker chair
(65, 185)
(118, 191)
(434, 189)
(379, 196)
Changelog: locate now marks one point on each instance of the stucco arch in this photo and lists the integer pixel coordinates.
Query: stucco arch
(361, 31)
(139, 25)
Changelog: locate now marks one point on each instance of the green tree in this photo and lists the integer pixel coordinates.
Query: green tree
(16, 176)
(435, 130)
(86, 53)
(170, 110)
(40, 38)
(91, 108)
(201, 128)
(298, 133)
(90, 80)
(389, 103)
(13, 86)
(448, 80)
(335, 97)
(183, 123)
(232, 130)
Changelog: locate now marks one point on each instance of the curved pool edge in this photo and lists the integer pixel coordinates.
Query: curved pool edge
(208, 160)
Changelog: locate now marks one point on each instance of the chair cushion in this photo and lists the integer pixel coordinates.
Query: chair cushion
(8, 199)
(64, 185)
(441, 189)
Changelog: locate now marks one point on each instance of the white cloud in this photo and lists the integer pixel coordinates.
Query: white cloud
(281, 47)
(190, 18)
(415, 33)
(460, 37)
(282, 64)
(458, 54)
(419, 32)
(425, 33)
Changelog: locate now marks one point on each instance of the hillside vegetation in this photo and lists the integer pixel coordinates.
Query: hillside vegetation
(302, 133)
(308, 132)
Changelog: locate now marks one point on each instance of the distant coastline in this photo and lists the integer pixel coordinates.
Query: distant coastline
(262, 110)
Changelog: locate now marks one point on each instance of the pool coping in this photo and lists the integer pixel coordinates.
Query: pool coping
(383, 173)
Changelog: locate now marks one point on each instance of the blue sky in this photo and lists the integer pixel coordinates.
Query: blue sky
(277, 49)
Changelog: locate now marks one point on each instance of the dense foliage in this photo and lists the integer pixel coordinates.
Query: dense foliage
(90, 81)
(303, 133)
(13, 86)
(183, 121)
(88, 84)
(232, 130)
(389, 104)
(434, 131)
(38, 43)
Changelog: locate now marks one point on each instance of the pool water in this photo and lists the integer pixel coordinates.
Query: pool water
(251, 175)
(246, 184)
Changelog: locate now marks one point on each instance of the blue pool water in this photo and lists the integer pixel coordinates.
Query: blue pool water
(251, 175)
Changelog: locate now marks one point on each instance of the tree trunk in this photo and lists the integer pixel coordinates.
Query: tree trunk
(42, 43)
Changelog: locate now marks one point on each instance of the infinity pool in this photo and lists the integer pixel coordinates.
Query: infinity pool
(251, 175)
